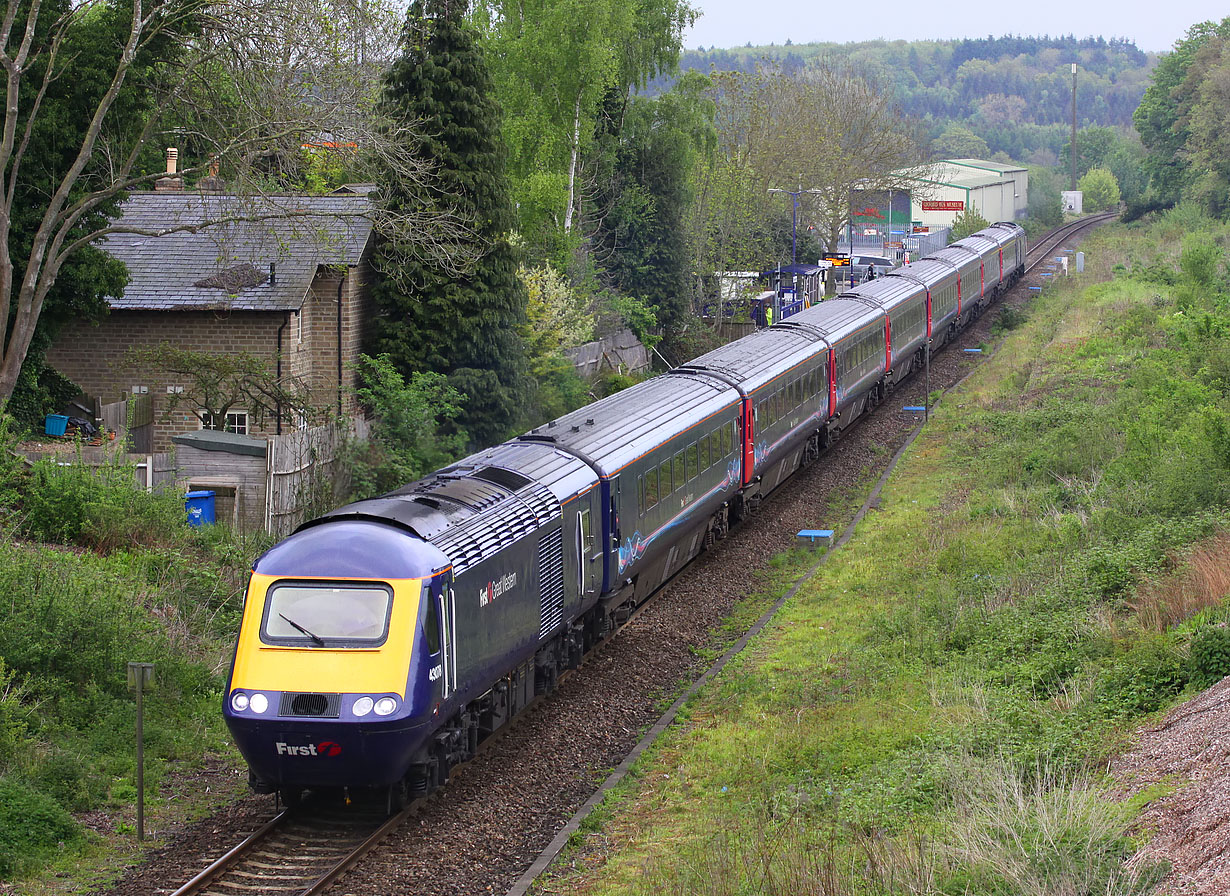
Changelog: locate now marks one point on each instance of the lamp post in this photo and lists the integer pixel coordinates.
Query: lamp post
(794, 218)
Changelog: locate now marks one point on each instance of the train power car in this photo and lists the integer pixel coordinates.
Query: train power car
(382, 641)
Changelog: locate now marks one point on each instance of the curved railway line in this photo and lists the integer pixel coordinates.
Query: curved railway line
(306, 849)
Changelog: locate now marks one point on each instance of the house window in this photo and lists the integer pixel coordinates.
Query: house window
(299, 328)
(236, 422)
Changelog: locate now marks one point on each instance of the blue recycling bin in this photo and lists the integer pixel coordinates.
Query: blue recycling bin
(200, 507)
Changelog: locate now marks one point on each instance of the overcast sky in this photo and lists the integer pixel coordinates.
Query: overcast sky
(1151, 26)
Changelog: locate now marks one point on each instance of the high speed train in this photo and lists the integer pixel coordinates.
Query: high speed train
(382, 641)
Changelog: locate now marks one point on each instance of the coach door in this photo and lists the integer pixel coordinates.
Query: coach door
(448, 641)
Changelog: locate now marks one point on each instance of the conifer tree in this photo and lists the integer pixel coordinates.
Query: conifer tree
(459, 320)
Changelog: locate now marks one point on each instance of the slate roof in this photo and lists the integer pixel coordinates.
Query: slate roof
(227, 265)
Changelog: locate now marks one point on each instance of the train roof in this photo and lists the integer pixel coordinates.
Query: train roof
(465, 513)
(957, 255)
(929, 271)
(618, 429)
(833, 320)
(757, 358)
(977, 242)
(564, 474)
(1003, 232)
(885, 292)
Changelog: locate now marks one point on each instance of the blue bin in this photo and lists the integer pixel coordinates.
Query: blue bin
(55, 424)
(200, 507)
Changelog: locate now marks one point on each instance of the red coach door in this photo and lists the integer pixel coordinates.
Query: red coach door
(749, 441)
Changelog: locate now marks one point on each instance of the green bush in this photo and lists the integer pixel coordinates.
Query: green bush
(96, 507)
(1142, 680)
(32, 826)
(1209, 658)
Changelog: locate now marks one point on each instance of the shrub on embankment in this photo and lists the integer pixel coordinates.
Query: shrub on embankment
(95, 573)
(934, 711)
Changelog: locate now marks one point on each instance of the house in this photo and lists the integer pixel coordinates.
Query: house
(283, 278)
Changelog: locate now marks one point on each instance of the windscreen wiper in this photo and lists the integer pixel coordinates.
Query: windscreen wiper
(317, 639)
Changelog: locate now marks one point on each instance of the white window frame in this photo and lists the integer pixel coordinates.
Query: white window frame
(236, 422)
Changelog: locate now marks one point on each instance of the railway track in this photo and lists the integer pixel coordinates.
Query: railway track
(299, 851)
(1046, 246)
(305, 850)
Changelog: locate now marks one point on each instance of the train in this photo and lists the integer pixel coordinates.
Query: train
(381, 642)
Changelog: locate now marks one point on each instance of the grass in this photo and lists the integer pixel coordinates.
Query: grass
(938, 723)
(94, 574)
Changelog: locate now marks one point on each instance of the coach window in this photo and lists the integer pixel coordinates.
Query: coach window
(651, 488)
(728, 440)
(680, 475)
(665, 486)
(705, 460)
(693, 454)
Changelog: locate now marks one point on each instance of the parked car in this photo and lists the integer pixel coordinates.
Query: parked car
(859, 264)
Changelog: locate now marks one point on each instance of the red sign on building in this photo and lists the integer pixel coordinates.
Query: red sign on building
(943, 205)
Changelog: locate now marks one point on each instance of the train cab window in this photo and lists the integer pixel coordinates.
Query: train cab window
(705, 460)
(665, 486)
(431, 622)
(302, 614)
(651, 488)
(693, 456)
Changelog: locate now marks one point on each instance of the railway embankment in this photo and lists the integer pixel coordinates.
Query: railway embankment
(1037, 594)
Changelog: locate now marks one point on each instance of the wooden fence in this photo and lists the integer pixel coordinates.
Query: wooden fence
(303, 476)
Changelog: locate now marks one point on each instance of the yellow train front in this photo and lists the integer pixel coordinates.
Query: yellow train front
(383, 641)
(336, 679)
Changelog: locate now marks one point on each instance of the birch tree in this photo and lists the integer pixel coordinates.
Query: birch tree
(95, 90)
(555, 63)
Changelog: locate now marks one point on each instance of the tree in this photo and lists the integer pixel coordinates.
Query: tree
(643, 192)
(433, 317)
(560, 61)
(959, 142)
(828, 131)
(1100, 188)
(218, 383)
(97, 88)
(1162, 116)
(409, 436)
(969, 221)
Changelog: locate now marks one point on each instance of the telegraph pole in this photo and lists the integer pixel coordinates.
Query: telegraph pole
(1073, 126)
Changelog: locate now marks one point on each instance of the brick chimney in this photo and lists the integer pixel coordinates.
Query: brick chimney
(211, 183)
(171, 182)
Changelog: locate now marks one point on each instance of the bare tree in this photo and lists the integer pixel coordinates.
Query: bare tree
(241, 85)
(828, 131)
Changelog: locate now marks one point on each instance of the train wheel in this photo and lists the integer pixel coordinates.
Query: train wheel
(398, 796)
(291, 797)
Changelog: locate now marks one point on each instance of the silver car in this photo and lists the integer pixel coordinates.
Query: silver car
(860, 263)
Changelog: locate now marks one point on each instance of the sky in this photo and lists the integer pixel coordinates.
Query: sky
(732, 23)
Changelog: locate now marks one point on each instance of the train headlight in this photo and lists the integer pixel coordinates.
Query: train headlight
(385, 705)
(362, 706)
(259, 703)
(239, 701)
